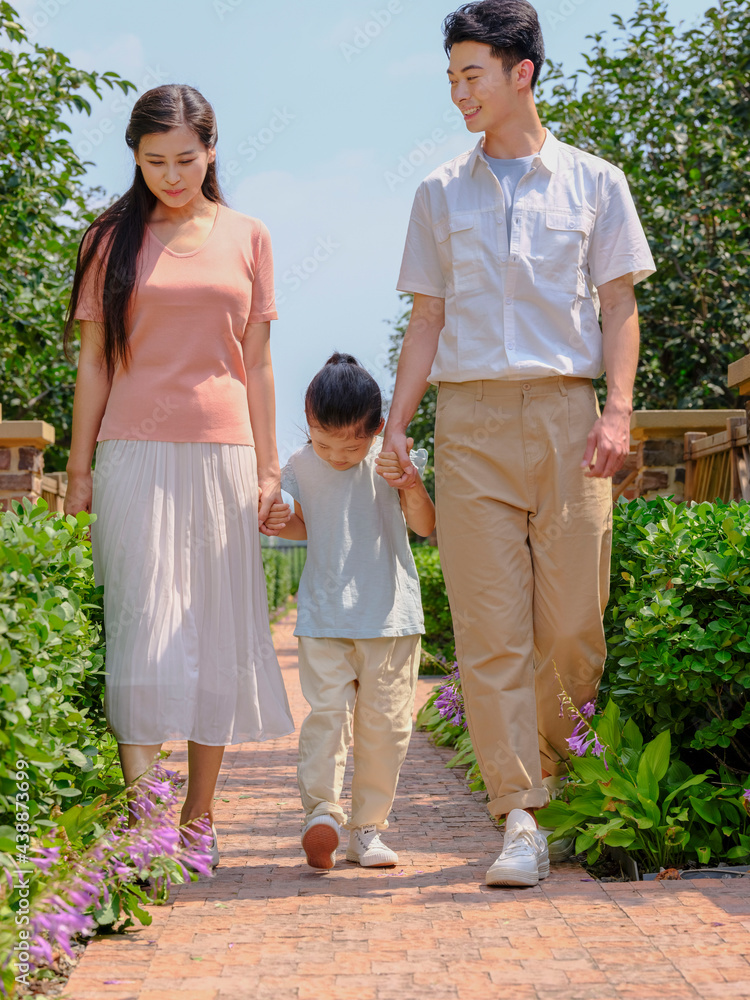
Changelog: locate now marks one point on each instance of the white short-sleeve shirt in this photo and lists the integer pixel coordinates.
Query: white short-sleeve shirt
(524, 307)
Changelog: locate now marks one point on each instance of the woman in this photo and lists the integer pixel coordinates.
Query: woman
(174, 294)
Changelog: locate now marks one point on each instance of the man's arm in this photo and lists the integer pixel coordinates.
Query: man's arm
(610, 435)
(417, 354)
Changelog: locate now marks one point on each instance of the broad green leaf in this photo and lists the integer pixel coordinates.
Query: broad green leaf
(620, 838)
(706, 809)
(656, 756)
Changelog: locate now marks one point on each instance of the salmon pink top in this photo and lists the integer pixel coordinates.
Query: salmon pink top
(185, 380)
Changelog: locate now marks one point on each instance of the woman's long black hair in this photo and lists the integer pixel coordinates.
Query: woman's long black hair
(118, 233)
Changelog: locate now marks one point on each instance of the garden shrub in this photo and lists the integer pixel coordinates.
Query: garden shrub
(678, 624)
(283, 567)
(283, 577)
(437, 643)
(624, 793)
(51, 664)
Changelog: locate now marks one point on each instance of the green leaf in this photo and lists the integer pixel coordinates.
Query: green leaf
(584, 841)
(632, 735)
(77, 757)
(620, 838)
(588, 769)
(655, 757)
(707, 810)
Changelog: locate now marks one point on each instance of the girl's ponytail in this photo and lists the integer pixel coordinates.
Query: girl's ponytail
(344, 395)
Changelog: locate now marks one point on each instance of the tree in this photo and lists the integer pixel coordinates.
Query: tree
(672, 109)
(44, 207)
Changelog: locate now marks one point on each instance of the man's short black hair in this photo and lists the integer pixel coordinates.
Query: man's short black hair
(510, 27)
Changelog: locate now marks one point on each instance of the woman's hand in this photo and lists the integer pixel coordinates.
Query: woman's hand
(269, 493)
(78, 493)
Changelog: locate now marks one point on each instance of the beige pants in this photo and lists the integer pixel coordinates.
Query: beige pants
(524, 542)
(360, 688)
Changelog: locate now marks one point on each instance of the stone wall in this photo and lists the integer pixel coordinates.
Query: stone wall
(22, 446)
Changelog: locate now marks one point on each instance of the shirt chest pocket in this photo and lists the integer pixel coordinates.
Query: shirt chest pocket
(459, 246)
(563, 245)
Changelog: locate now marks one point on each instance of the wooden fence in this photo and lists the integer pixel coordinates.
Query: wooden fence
(717, 466)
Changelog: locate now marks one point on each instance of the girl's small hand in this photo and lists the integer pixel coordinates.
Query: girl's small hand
(277, 518)
(388, 465)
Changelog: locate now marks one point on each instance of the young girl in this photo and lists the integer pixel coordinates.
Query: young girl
(174, 294)
(359, 612)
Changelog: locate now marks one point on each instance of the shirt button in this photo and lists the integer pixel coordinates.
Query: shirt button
(517, 222)
(504, 259)
(571, 225)
(509, 302)
(526, 385)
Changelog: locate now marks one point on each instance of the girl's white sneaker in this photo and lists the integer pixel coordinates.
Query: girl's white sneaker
(367, 849)
(320, 838)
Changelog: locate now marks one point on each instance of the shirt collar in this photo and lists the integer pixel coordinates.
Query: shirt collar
(549, 154)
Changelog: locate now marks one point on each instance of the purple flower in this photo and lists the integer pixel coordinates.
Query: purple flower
(583, 739)
(588, 710)
(746, 794)
(46, 857)
(450, 699)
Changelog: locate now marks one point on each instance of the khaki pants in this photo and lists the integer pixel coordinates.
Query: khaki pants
(361, 688)
(525, 543)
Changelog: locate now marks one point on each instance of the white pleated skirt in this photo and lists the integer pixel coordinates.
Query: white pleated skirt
(176, 546)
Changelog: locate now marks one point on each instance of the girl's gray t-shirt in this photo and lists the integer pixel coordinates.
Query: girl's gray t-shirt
(359, 580)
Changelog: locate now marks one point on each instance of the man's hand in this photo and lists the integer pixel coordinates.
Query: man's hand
(610, 435)
(402, 473)
(278, 518)
(608, 444)
(391, 468)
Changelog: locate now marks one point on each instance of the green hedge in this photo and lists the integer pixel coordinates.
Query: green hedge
(51, 664)
(438, 645)
(678, 624)
(283, 567)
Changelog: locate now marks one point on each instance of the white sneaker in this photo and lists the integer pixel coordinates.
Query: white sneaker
(320, 838)
(559, 850)
(525, 858)
(367, 849)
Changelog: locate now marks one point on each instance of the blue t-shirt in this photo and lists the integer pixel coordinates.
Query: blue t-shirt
(509, 173)
(359, 580)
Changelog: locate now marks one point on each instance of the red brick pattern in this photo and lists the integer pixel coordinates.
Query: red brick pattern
(267, 926)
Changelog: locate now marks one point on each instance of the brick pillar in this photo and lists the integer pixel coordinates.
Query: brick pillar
(22, 445)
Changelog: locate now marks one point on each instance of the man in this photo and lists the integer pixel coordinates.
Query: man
(511, 249)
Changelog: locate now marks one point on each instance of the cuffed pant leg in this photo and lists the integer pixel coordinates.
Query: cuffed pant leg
(328, 678)
(482, 515)
(387, 677)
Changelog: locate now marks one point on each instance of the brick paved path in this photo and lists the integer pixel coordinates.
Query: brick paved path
(267, 926)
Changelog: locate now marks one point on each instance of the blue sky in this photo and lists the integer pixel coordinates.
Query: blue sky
(329, 116)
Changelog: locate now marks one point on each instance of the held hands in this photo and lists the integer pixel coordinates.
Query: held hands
(277, 519)
(394, 464)
(609, 440)
(269, 495)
